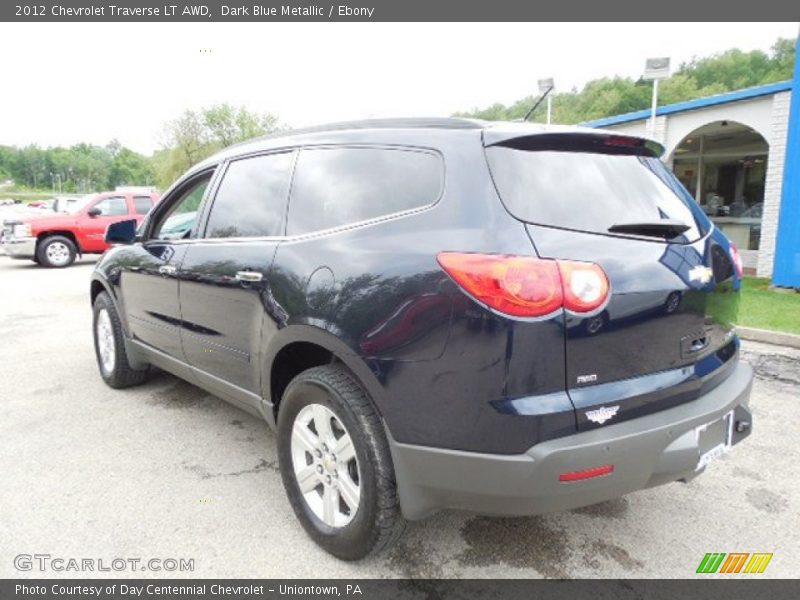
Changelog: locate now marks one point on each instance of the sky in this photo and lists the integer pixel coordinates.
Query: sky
(61, 84)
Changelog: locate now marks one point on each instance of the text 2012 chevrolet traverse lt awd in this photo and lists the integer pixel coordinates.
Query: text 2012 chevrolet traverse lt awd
(503, 318)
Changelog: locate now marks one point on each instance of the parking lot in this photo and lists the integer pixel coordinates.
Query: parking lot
(167, 471)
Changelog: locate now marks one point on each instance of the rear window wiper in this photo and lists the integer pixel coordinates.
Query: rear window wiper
(662, 228)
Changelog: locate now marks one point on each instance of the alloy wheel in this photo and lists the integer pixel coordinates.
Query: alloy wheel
(57, 253)
(325, 465)
(105, 341)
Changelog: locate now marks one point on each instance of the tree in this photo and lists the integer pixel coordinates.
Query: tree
(30, 166)
(7, 154)
(187, 135)
(196, 135)
(80, 168)
(228, 125)
(130, 168)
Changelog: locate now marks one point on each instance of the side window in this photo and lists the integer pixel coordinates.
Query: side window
(142, 204)
(112, 207)
(178, 222)
(339, 186)
(251, 199)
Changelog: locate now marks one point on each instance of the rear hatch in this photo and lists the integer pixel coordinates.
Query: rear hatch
(665, 333)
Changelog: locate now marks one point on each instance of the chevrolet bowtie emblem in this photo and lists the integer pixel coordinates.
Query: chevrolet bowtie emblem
(602, 414)
(701, 273)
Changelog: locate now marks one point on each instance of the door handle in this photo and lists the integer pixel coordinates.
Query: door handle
(167, 270)
(249, 276)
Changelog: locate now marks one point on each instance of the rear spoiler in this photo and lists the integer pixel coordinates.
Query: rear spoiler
(568, 139)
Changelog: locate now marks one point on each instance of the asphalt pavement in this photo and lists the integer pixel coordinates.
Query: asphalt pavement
(166, 471)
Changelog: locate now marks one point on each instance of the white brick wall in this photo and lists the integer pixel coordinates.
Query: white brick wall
(774, 182)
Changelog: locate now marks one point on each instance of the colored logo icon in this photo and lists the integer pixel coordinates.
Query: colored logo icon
(734, 562)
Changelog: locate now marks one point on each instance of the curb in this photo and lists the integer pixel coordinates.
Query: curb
(778, 338)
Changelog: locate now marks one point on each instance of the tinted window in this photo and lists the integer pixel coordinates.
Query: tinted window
(588, 191)
(142, 204)
(179, 221)
(112, 207)
(250, 200)
(338, 186)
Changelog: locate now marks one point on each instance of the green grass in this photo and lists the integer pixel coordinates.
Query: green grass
(26, 195)
(766, 308)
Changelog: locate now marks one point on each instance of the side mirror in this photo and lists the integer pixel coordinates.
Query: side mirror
(94, 212)
(121, 232)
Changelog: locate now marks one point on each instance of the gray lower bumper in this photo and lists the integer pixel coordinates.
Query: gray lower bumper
(20, 247)
(645, 452)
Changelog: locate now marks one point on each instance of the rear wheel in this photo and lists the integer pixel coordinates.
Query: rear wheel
(56, 252)
(335, 464)
(109, 345)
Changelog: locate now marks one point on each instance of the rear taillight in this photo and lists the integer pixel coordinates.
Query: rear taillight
(524, 286)
(516, 285)
(585, 285)
(737, 259)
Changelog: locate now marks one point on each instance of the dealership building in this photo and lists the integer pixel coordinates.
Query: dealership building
(738, 153)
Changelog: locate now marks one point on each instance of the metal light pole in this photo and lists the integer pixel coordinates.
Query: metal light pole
(655, 69)
(545, 86)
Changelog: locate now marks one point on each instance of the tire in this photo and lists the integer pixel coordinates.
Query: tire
(331, 393)
(673, 302)
(56, 252)
(117, 371)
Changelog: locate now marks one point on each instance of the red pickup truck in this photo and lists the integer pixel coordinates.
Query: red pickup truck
(56, 239)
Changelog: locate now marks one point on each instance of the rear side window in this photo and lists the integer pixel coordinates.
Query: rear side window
(251, 199)
(142, 204)
(589, 191)
(340, 186)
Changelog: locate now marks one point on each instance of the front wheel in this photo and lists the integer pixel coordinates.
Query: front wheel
(335, 464)
(109, 345)
(56, 252)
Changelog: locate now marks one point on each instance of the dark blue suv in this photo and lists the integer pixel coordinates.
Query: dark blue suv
(498, 317)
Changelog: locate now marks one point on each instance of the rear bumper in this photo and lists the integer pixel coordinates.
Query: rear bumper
(24, 247)
(647, 451)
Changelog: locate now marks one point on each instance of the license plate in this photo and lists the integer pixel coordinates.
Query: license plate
(714, 439)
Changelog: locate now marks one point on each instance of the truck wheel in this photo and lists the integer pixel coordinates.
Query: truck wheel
(56, 251)
(109, 346)
(335, 464)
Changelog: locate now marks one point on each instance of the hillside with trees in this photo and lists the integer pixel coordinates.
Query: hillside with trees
(79, 168)
(186, 140)
(730, 70)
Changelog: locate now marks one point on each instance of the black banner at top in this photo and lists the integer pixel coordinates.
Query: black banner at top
(396, 10)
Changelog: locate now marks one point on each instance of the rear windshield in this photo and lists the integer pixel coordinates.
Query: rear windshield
(591, 191)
